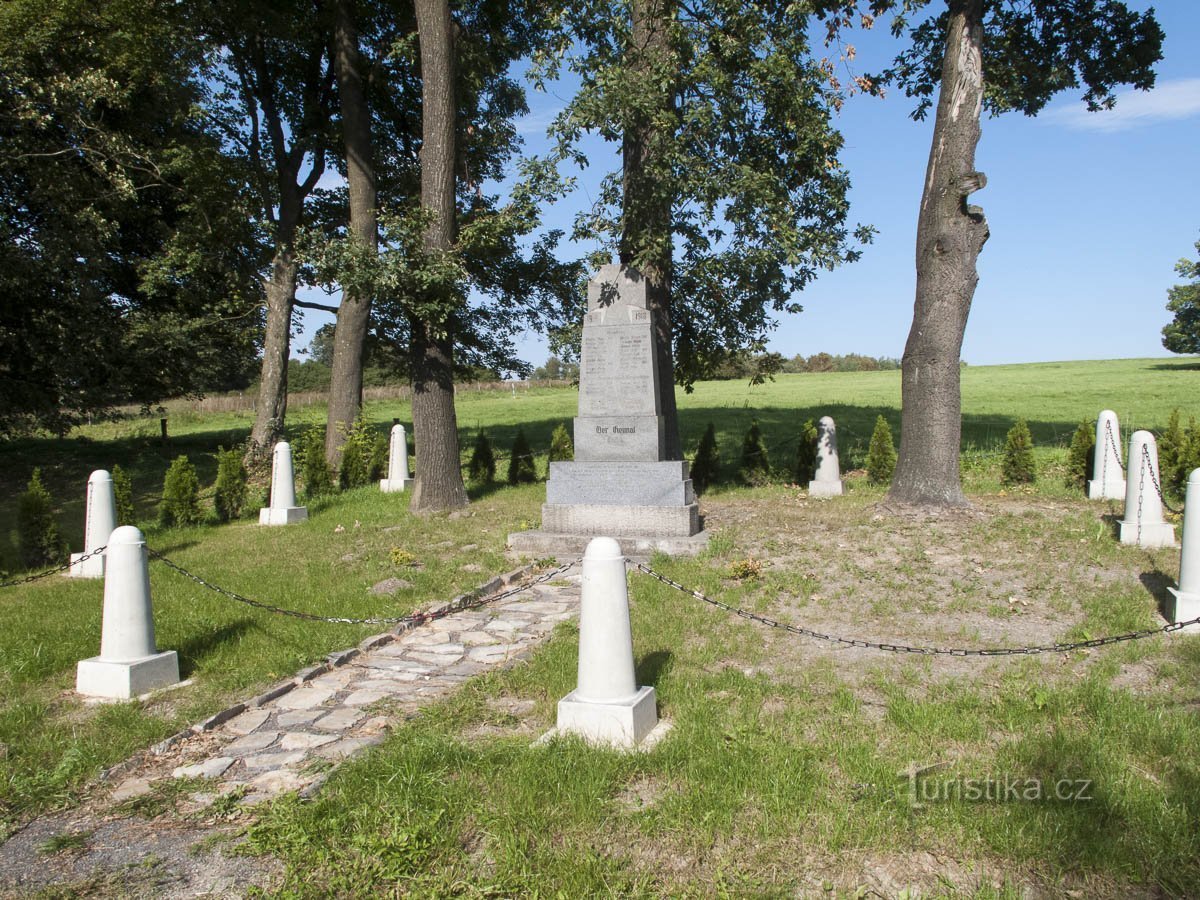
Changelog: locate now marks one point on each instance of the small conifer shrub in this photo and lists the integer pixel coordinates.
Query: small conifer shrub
(1081, 456)
(707, 464)
(38, 539)
(756, 467)
(561, 448)
(482, 467)
(1017, 466)
(1173, 454)
(231, 491)
(363, 455)
(521, 468)
(311, 465)
(881, 453)
(806, 453)
(123, 494)
(181, 495)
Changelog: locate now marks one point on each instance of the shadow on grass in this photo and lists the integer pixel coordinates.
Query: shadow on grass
(652, 667)
(195, 649)
(1157, 582)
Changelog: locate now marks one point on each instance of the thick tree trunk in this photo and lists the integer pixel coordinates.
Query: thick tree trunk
(439, 483)
(646, 205)
(950, 235)
(354, 313)
(280, 290)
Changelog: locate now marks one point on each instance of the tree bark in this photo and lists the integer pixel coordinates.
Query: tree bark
(439, 483)
(950, 235)
(646, 206)
(354, 313)
(280, 290)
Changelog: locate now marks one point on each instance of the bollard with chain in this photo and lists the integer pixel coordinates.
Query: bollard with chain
(1143, 524)
(1108, 475)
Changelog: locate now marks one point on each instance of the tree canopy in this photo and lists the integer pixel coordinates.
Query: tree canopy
(1182, 334)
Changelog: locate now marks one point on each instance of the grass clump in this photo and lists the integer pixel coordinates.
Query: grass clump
(521, 468)
(232, 485)
(363, 455)
(881, 454)
(482, 467)
(1018, 465)
(806, 453)
(561, 448)
(181, 495)
(1081, 456)
(756, 467)
(310, 461)
(707, 463)
(123, 493)
(40, 544)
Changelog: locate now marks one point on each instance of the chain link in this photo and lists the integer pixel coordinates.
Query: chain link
(1154, 480)
(40, 575)
(1112, 442)
(922, 651)
(467, 601)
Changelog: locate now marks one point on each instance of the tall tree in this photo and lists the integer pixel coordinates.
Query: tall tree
(1182, 333)
(994, 55)
(730, 197)
(354, 312)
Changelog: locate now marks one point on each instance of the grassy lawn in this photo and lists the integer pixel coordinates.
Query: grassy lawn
(784, 770)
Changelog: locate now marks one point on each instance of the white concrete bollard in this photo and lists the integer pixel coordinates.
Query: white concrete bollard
(129, 664)
(99, 520)
(1143, 524)
(827, 478)
(283, 509)
(1187, 595)
(398, 478)
(1108, 478)
(607, 706)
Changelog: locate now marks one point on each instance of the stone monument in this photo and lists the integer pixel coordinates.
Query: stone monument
(619, 484)
(283, 509)
(1108, 478)
(99, 520)
(827, 479)
(398, 478)
(1144, 524)
(1186, 597)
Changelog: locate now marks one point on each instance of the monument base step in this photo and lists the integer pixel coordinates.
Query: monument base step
(1186, 606)
(395, 485)
(616, 521)
(1106, 490)
(564, 546)
(1153, 534)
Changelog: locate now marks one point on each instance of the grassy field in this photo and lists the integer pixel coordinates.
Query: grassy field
(783, 772)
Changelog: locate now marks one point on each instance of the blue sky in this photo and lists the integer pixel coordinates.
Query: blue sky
(1088, 212)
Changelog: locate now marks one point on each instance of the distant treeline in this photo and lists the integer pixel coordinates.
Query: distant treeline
(761, 365)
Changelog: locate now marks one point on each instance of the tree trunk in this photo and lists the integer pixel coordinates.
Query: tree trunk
(950, 235)
(354, 313)
(646, 205)
(281, 295)
(439, 483)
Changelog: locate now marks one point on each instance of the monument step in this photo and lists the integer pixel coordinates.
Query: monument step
(620, 483)
(537, 544)
(620, 521)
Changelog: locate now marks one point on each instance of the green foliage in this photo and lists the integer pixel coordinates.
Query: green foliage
(40, 543)
(231, 491)
(706, 465)
(311, 465)
(482, 467)
(1017, 466)
(755, 467)
(521, 467)
(881, 454)
(364, 455)
(1081, 455)
(1182, 334)
(561, 448)
(806, 453)
(123, 493)
(181, 495)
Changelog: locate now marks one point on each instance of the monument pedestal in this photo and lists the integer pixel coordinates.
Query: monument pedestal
(1106, 490)
(98, 677)
(269, 515)
(395, 485)
(618, 723)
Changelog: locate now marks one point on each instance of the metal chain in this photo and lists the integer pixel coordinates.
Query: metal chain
(1154, 480)
(468, 601)
(1141, 494)
(923, 651)
(40, 575)
(1112, 442)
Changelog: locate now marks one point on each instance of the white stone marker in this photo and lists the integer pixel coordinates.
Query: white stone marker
(283, 509)
(1143, 524)
(98, 523)
(827, 479)
(607, 706)
(398, 479)
(1108, 478)
(129, 664)
(1187, 595)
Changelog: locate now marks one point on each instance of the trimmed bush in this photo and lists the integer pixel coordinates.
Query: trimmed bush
(707, 463)
(881, 453)
(123, 493)
(806, 453)
(1081, 456)
(1173, 454)
(482, 467)
(1018, 467)
(181, 495)
(311, 467)
(756, 467)
(231, 491)
(39, 541)
(364, 455)
(521, 468)
(561, 448)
